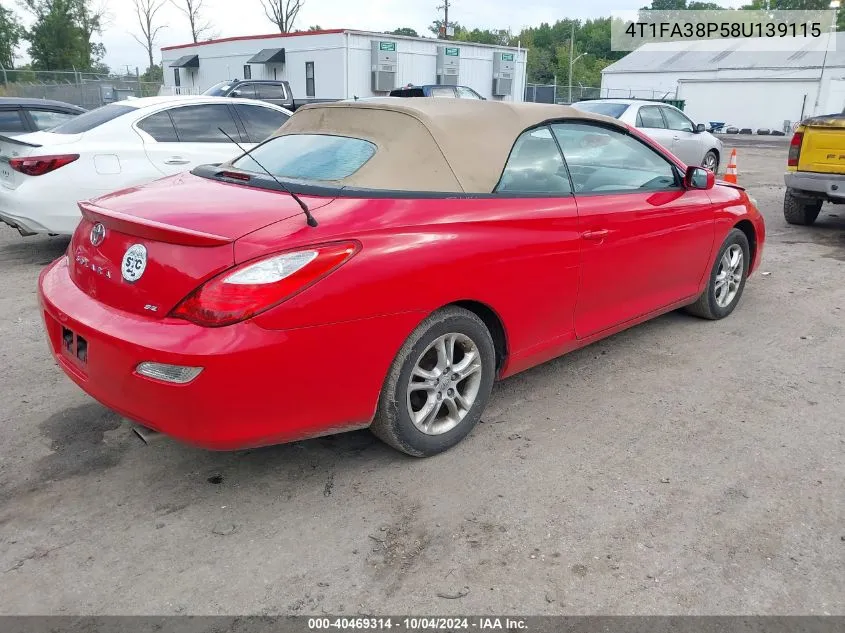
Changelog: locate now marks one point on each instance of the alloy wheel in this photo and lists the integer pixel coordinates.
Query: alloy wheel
(729, 276)
(444, 383)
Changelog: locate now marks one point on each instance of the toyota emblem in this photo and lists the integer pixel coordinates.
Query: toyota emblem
(98, 234)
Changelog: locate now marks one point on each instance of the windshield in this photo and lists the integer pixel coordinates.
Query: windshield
(219, 89)
(94, 118)
(602, 107)
(309, 156)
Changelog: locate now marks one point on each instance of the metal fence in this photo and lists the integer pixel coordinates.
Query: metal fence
(556, 93)
(86, 90)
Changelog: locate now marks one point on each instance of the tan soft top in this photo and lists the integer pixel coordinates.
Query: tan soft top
(429, 144)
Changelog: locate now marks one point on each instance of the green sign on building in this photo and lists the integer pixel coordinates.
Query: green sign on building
(452, 52)
(507, 57)
(387, 46)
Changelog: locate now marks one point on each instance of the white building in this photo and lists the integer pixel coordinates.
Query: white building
(339, 64)
(742, 84)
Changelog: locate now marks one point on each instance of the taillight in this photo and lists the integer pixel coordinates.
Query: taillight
(795, 149)
(256, 286)
(40, 165)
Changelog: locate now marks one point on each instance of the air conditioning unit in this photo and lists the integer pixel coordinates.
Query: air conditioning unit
(448, 65)
(384, 66)
(504, 68)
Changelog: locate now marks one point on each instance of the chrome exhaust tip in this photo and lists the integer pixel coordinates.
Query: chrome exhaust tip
(148, 436)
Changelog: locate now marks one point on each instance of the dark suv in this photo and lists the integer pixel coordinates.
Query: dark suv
(449, 92)
(276, 92)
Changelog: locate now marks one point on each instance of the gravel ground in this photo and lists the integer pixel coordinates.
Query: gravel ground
(681, 467)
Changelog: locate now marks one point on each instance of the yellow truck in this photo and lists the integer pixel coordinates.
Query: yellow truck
(815, 171)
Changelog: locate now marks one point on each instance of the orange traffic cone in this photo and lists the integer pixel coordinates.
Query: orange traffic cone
(730, 172)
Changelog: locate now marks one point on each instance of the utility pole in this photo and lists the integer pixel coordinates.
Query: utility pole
(445, 8)
(571, 62)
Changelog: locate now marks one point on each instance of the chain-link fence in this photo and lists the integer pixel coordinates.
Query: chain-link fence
(556, 93)
(87, 90)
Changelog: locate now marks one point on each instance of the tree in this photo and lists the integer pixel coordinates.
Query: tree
(282, 13)
(90, 19)
(407, 31)
(56, 42)
(11, 33)
(316, 27)
(193, 9)
(146, 11)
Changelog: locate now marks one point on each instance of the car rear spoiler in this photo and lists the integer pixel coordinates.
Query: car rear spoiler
(150, 229)
(12, 139)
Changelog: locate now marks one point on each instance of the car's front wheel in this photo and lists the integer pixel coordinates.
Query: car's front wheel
(727, 279)
(798, 211)
(711, 161)
(438, 384)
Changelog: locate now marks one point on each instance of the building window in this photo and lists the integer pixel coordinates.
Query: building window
(176, 78)
(309, 79)
(247, 71)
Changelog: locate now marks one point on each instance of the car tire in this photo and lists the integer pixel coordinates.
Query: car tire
(800, 212)
(711, 158)
(717, 301)
(403, 418)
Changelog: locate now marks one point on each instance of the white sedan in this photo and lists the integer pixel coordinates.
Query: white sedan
(665, 124)
(44, 174)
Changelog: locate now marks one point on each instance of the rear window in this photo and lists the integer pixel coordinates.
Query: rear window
(309, 157)
(608, 109)
(89, 120)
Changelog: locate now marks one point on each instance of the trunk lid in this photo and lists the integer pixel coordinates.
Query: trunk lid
(33, 144)
(163, 240)
(823, 145)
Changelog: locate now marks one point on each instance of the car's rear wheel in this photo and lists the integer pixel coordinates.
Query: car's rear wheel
(727, 279)
(798, 211)
(438, 384)
(711, 161)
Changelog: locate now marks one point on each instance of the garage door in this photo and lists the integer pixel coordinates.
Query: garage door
(754, 104)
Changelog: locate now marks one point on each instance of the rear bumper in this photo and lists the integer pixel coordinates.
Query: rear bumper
(816, 185)
(48, 210)
(258, 387)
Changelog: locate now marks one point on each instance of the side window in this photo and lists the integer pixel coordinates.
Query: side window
(46, 119)
(535, 166)
(309, 79)
(198, 124)
(160, 127)
(677, 121)
(244, 91)
(269, 91)
(604, 160)
(650, 117)
(11, 122)
(467, 93)
(260, 123)
(443, 91)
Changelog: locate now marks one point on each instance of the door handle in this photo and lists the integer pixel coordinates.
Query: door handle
(176, 160)
(676, 138)
(597, 235)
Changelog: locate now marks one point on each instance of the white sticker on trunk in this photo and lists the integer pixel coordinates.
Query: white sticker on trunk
(134, 262)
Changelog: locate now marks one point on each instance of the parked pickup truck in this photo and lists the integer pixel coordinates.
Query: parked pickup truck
(815, 168)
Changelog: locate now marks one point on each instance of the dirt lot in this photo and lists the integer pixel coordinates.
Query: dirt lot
(680, 467)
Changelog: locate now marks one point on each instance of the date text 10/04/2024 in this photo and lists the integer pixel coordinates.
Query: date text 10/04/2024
(418, 624)
(684, 30)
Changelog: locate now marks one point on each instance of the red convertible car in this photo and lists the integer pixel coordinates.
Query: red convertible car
(379, 264)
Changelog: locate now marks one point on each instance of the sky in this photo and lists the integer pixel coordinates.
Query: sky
(246, 17)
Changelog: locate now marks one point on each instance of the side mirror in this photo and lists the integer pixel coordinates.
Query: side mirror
(235, 93)
(699, 128)
(699, 178)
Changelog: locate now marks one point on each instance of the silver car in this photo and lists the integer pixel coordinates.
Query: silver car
(665, 124)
